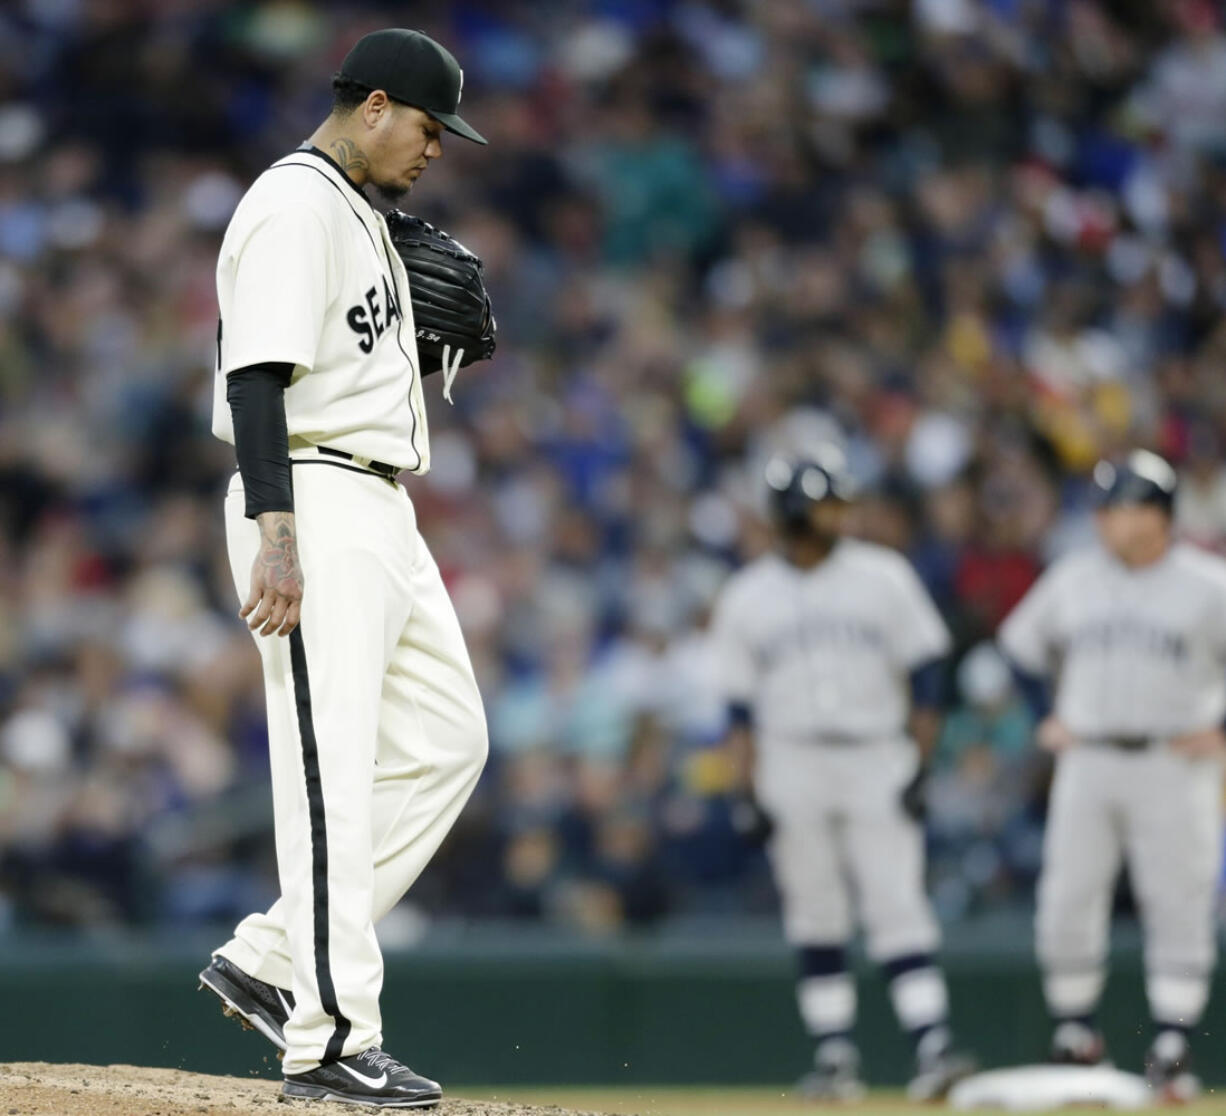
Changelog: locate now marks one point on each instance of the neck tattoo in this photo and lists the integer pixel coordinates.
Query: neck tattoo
(351, 158)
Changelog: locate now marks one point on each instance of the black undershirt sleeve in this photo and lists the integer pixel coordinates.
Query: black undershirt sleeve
(927, 684)
(256, 395)
(1034, 689)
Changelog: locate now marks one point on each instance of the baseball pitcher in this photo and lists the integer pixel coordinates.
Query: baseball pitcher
(376, 728)
(1133, 632)
(831, 656)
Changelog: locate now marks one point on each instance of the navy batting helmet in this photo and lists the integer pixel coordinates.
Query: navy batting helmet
(1142, 478)
(795, 486)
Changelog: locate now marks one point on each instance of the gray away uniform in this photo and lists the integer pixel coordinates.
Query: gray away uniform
(1139, 657)
(823, 657)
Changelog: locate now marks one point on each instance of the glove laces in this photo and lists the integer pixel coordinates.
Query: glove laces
(450, 368)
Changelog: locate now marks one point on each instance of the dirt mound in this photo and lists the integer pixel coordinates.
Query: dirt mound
(41, 1089)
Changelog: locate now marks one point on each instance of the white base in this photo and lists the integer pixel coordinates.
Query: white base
(1034, 1088)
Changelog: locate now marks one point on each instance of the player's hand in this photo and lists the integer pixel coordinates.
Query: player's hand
(274, 604)
(1202, 744)
(1053, 735)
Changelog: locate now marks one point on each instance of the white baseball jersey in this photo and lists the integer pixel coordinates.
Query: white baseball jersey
(307, 275)
(826, 651)
(1137, 652)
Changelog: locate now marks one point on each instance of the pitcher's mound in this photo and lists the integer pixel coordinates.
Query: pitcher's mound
(42, 1089)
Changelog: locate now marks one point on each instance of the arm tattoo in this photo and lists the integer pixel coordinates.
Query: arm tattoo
(349, 155)
(279, 552)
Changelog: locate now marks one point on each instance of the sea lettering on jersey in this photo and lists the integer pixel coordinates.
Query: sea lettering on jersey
(370, 318)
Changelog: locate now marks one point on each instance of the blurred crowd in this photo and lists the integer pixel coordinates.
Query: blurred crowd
(979, 243)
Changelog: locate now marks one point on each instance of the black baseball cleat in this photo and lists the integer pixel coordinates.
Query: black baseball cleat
(254, 1003)
(1168, 1069)
(1077, 1044)
(371, 1078)
(939, 1066)
(835, 1077)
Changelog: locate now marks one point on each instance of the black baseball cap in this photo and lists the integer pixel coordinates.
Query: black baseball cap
(411, 67)
(1142, 478)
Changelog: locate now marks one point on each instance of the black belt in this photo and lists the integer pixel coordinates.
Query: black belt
(380, 467)
(839, 739)
(1124, 743)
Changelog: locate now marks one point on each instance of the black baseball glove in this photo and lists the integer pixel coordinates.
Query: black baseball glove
(914, 797)
(749, 821)
(451, 308)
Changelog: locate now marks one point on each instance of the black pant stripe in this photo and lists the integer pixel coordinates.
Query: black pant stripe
(319, 846)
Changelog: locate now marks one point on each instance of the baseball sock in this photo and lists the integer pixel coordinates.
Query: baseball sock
(1176, 1002)
(1089, 1020)
(1170, 1044)
(921, 1001)
(1072, 995)
(826, 993)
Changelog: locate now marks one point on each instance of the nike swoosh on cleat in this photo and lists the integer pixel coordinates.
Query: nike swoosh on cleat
(284, 1002)
(369, 1082)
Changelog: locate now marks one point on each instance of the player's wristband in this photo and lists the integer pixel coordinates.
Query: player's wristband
(256, 396)
(740, 714)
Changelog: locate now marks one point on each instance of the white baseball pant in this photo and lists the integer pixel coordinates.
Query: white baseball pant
(1162, 812)
(376, 739)
(841, 832)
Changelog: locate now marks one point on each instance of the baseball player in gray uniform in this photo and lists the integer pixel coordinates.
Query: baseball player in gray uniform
(831, 653)
(1133, 631)
(376, 729)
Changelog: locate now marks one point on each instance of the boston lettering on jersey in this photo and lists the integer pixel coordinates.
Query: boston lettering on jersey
(1106, 634)
(815, 630)
(372, 318)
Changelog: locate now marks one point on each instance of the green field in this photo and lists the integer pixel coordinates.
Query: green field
(670, 1101)
(666, 1100)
